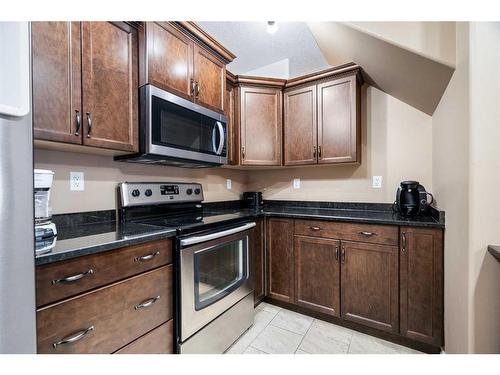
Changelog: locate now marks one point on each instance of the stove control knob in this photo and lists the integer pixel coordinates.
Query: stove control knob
(136, 193)
(197, 191)
(148, 192)
(189, 191)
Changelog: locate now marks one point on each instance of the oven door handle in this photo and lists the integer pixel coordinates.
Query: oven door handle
(198, 239)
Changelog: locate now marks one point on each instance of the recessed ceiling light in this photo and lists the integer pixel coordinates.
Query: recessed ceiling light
(272, 27)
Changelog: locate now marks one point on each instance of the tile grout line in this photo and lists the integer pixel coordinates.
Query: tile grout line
(251, 342)
(303, 337)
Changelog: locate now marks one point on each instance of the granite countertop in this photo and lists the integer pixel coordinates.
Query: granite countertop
(88, 233)
(495, 251)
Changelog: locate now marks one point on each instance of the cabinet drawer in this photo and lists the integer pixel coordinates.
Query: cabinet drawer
(65, 279)
(159, 341)
(109, 318)
(372, 233)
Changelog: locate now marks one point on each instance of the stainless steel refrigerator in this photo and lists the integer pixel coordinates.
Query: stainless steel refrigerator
(17, 261)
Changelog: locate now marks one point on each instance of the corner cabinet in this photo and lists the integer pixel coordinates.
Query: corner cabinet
(85, 84)
(173, 60)
(322, 121)
(260, 125)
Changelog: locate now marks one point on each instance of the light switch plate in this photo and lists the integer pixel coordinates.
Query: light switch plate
(229, 184)
(76, 181)
(296, 183)
(377, 182)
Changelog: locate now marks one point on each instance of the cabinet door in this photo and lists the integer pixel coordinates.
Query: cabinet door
(369, 285)
(260, 126)
(229, 98)
(338, 121)
(170, 59)
(258, 262)
(110, 85)
(56, 81)
(280, 259)
(300, 126)
(421, 284)
(317, 274)
(210, 77)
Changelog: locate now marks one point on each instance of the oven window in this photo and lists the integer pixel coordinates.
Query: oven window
(219, 270)
(179, 127)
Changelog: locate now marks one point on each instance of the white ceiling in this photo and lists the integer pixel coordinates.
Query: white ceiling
(255, 48)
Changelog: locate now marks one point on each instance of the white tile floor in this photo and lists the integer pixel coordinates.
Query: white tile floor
(281, 331)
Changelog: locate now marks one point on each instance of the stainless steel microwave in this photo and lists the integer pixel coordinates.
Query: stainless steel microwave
(176, 131)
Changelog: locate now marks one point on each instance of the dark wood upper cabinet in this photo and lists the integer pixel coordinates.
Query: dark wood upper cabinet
(56, 60)
(110, 85)
(259, 262)
(339, 121)
(421, 284)
(169, 59)
(300, 126)
(210, 78)
(174, 59)
(85, 83)
(280, 259)
(317, 274)
(369, 285)
(260, 125)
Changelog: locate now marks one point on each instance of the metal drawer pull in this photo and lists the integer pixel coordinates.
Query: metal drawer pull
(73, 337)
(146, 303)
(73, 278)
(368, 234)
(315, 228)
(403, 242)
(146, 257)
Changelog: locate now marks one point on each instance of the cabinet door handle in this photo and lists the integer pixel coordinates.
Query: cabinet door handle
(73, 337)
(314, 152)
(315, 228)
(146, 303)
(319, 152)
(146, 257)
(89, 124)
(403, 242)
(197, 89)
(243, 153)
(368, 234)
(191, 87)
(343, 255)
(337, 253)
(73, 278)
(78, 122)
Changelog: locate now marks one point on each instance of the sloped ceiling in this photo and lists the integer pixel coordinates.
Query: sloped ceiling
(407, 75)
(255, 48)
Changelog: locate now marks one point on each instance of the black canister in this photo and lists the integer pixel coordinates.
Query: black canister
(253, 199)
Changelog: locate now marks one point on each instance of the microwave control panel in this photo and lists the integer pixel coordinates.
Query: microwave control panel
(150, 193)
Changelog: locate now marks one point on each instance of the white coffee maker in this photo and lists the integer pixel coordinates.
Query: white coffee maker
(45, 229)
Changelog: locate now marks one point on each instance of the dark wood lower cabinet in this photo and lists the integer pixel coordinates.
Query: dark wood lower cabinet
(317, 274)
(421, 284)
(159, 341)
(369, 285)
(259, 283)
(280, 270)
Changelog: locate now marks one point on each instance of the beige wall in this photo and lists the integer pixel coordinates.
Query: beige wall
(396, 144)
(450, 126)
(484, 270)
(102, 175)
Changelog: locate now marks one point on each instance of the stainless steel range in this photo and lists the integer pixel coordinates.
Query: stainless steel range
(214, 287)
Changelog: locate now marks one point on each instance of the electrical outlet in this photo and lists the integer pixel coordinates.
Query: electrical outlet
(229, 184)
(76, 181)
(296, 183)
(377, 182)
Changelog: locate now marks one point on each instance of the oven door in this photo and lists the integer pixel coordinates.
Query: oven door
(215, 274)
(179, 128)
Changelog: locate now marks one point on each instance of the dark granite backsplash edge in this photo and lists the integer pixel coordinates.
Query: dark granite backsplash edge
(80, 218)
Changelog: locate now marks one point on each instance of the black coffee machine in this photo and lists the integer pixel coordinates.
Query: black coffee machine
(253, 199)
(411, 199)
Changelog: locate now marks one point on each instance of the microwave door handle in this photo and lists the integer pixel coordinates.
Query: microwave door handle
(214, 147)
(198, 239)
(222, 138)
